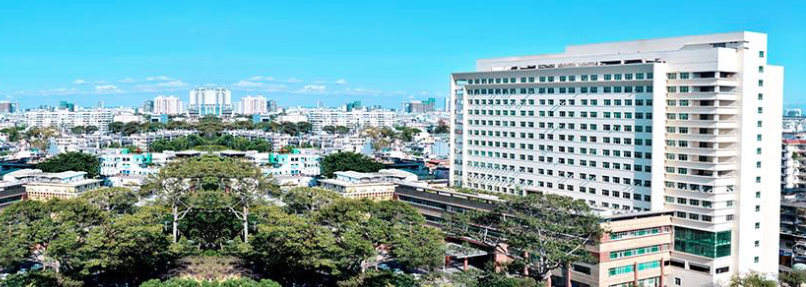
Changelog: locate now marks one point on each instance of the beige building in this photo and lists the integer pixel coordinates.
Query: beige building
(635, 251)
(377, 186)
(44, 185)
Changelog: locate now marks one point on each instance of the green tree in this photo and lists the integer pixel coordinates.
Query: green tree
(78, 130)
(792, 278)
(12, 133)
(442, 128)
(552, 229)
(39, 278)
(118, 200)
(72, 161)
(116, 127)
(343, 161)
(752, 279)
(304, 200)
(329, 129)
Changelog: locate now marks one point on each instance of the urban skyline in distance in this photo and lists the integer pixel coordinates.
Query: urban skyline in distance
(379, 54)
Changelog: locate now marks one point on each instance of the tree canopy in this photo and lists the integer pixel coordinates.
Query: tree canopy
(196, 141)
(72, 161)
(343, 161)
(553, 228)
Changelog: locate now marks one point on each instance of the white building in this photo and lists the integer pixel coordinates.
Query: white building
(689, 124)
(210, 101)
(100, 118)
(168, 105)
(356, 118)
(253, 105)
(46, 185)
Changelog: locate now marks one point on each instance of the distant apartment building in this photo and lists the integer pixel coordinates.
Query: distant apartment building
(45, 185)
(418, 107)
(793, 165)
(299, 162)
(251, 105)
(210, 101)
(64, 118)
(65, 105)
(124, 162)
(271, 106)
(7, 107)
(148, 106)
(320, 118)
(689, 124)
(167, 105)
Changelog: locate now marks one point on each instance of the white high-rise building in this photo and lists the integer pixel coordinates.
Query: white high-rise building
(254, 105)
(169, 105)
(689, 124)
(210, 101)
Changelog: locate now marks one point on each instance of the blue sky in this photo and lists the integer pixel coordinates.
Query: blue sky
(298, 52)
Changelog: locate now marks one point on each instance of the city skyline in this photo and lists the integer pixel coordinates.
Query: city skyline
(384, 53)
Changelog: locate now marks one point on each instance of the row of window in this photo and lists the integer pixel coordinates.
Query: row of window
(562, 78)
(582, 138)
(638, 251)
(565, 114)
(564, 149)
(564, 102)
(615, 271)
(639, 232)
(495, 188)
(549, 160)
(550, 125)
(562, 90)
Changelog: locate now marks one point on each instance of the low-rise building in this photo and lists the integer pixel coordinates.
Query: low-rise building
(635, 250)
(377, 185)
(299, 162)
(125, 162)
(46, 185)
(11, 192)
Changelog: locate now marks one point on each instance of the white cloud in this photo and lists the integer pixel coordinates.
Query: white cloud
(79, 81)
(313, 89)
(248, 84)
(341, 82)
(172, 84)
(158, 78)
(262, 78)
(106, 88)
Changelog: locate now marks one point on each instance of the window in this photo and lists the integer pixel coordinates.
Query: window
(761, 54)
(678, 281)
(761, 69)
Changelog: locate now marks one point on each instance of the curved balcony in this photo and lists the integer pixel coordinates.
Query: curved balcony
(709, 110)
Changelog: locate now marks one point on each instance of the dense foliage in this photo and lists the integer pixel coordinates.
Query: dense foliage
(343, 161)
(552, 229)
(212, 207)
(196, 141)
(243, 282)
(72, 161)
(210, 126)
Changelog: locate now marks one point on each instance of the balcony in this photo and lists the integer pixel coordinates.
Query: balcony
(716, 124)
(709, 110)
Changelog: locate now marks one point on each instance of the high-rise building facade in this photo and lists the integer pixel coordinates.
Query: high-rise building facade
(148, 106)
(254, 105)
(320, 118)
(7, 107)
(688, 124)
(167, 105)
(271, 106)
(210, 101)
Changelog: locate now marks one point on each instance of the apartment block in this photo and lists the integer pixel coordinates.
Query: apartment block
(64, 118)
(167, 105)
(685, 124)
